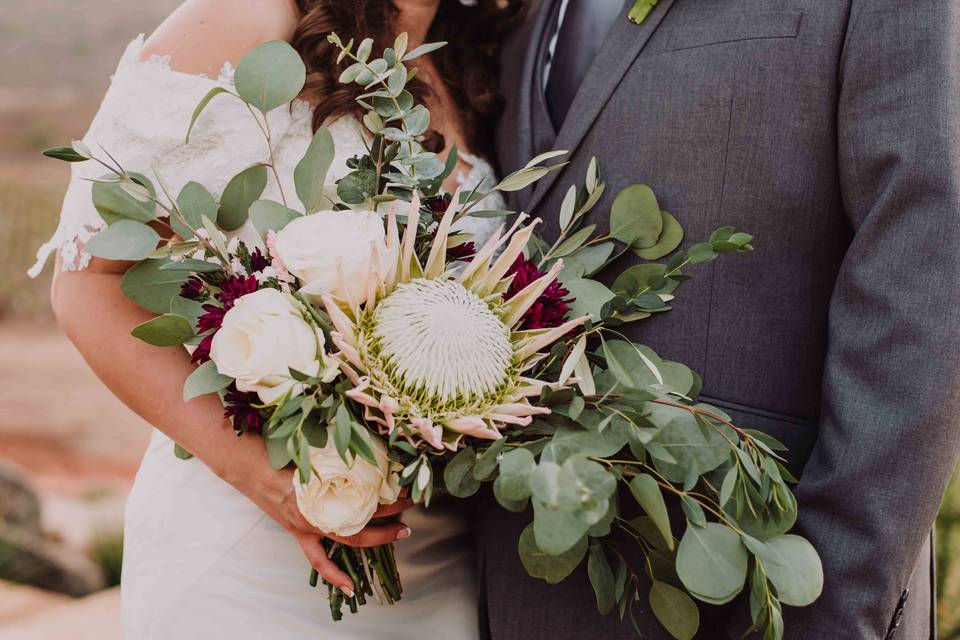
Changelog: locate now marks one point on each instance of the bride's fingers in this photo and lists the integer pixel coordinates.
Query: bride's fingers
(392, 509)
(316, 554)
(374, 536)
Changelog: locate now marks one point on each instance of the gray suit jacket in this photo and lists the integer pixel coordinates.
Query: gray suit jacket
(830, 130)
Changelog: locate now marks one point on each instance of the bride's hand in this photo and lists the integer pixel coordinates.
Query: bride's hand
(273, 492)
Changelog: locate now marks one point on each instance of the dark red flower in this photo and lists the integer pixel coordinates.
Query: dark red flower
(236, 287)
(258, 262)
(192, 289)
(239, 408)
(438, 205)
(210, 320)
(551, 307)
(462, 252)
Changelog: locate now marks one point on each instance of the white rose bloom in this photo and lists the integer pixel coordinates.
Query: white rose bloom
(340, 498)
(262, 337)
(330, 252)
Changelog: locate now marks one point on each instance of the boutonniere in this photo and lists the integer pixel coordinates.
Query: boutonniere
(640, 10)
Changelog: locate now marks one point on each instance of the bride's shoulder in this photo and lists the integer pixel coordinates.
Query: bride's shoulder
(203, 35)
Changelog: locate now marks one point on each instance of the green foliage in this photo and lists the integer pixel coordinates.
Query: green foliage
(152, 288)
(204, 379)
(241, 192)
(267, 215)
(114, 203)
(310, 174)
(167, 330)
(712, 562)
(271, 75)
(124, 240)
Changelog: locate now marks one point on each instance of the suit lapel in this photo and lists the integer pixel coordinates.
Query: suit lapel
(621, 47)
(520, 84)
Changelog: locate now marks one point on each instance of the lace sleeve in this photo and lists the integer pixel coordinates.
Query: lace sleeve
(142, 122)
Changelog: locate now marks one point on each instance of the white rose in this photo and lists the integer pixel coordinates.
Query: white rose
(262, 337)
(340, 498)
(330, 251)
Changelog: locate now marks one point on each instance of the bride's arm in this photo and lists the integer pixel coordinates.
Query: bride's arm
(98, 318)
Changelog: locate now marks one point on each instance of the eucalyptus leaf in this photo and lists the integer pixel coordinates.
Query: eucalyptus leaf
(242, 191)
(675, 610)
(267, 215)
(342, 431)
(794, 568)
(458, 474)
(552, 568)
(310, 174)
(204, 102)
(423, 50)
(124, 240)
(589, 297)
(270, 75)
(515, 469)
(278, 452)
(585, 261)
(670, 238)
(152, 288)
(357, 186)
(557, 530)
(168, 330)
(67, 154)
(195, 202)
(114, 204)
(601, 578)
(204, 379)
(712, 562)
(635, 217)
(647, 493)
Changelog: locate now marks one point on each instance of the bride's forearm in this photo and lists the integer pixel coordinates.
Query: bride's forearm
(98, 318)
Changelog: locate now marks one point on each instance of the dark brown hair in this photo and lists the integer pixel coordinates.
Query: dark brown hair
(468, 65)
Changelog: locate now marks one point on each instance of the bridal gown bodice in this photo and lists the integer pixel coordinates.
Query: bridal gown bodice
(201, 560)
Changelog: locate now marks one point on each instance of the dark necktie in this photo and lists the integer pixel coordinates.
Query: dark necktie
(584, 28)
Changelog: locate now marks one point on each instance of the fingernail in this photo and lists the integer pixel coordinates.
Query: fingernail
(347, 591)
(404, 533)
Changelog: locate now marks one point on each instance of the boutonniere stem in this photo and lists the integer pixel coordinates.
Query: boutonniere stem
(640, 10)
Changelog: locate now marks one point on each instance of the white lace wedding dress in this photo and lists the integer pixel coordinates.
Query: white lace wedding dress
(200, 560)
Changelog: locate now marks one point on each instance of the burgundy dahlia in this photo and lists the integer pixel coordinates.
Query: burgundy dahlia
(192, 289)
(239, 408)
(212, 317)
(551, 307)
(463, 252)
(438, 205)
(258, 261)
(236, 287)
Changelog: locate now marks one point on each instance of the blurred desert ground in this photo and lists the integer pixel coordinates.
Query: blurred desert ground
(70, 440)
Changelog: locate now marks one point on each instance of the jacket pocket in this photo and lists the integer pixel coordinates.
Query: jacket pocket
(734, 28)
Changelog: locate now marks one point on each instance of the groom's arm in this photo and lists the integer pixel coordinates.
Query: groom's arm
(890, 428)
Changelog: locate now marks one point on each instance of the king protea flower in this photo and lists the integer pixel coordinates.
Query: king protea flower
(436, 352)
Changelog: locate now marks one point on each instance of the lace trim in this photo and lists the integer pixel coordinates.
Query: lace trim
(225, 76)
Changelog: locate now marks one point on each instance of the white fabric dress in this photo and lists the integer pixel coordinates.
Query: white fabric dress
(200, 560)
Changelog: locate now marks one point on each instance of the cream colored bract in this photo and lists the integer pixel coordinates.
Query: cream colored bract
(435, 352)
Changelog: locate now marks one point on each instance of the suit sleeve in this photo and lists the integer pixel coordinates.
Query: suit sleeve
(890, 423)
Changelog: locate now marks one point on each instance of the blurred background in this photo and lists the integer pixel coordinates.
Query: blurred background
(68, 449)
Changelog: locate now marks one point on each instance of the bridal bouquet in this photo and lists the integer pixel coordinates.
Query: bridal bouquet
(378, 349)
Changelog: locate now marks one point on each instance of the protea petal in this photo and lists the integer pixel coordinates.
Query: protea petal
(343, 324)
(436, 261)
(474, 426)
(479, 266)
(432, 434)
(407, 255)
(550, 336)
(518, 241)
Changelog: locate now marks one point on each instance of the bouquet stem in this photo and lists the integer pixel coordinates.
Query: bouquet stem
(363, 566)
